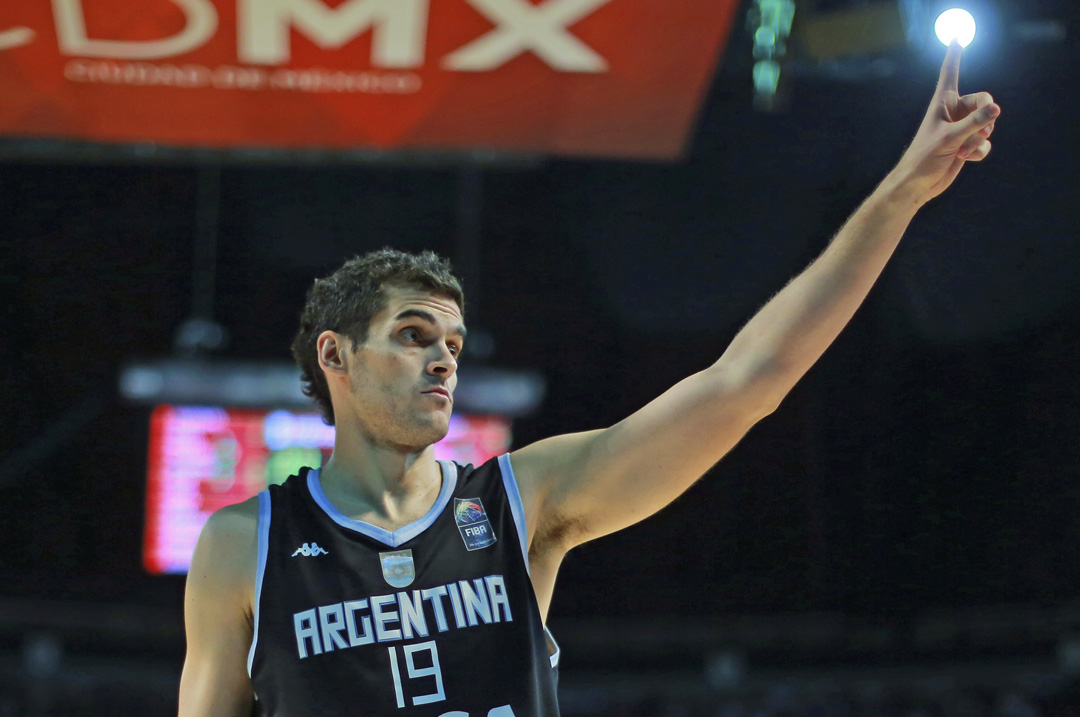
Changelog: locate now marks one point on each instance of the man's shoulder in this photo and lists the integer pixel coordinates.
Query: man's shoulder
(237, 519)
(229, 539)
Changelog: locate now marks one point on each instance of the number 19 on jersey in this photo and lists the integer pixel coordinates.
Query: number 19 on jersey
(412, 672)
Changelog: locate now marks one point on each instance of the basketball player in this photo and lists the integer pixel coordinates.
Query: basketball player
(389, 583)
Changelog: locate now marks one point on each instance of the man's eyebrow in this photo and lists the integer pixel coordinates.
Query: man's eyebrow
(430, 318)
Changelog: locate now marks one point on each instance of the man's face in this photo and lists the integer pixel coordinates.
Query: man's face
(402, 379)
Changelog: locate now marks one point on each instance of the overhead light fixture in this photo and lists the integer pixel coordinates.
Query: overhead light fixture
(201, 381)
(769, 23)
(955, 23)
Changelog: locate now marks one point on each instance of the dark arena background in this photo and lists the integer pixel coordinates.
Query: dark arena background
(900, 538)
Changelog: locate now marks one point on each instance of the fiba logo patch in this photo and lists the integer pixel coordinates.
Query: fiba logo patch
(472, 523)
(397, 568)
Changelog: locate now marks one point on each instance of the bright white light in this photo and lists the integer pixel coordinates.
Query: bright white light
(955, 23)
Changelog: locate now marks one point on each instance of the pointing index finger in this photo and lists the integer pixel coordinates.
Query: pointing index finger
(950, 68)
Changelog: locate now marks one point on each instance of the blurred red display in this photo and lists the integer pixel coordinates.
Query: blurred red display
(204, 458)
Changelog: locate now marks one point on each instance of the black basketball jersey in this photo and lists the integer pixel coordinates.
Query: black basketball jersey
(437, 618)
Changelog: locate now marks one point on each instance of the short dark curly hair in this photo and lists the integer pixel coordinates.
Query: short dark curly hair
(348, 299)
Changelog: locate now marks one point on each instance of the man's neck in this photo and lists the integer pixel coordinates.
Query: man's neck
(380, 484)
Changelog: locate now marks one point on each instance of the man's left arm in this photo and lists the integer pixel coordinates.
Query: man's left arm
(580, 486)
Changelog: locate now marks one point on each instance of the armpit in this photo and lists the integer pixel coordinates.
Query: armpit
(556, 533)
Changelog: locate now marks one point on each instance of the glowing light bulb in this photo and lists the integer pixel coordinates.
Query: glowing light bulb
(955, 23)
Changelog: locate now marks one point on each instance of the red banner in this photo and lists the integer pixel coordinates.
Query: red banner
(577, 77)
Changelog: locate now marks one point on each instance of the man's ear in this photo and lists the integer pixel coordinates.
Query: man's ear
(333, 350)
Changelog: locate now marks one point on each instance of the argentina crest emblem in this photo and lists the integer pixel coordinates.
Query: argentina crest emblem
(473, 523)
(398, 568)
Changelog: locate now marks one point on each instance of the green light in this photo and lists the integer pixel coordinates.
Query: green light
(778, 15)
(766, 77)
(285, 463)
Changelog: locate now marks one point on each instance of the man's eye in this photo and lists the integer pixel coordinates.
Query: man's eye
(410, 335)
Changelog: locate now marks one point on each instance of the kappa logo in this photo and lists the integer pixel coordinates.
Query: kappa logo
(309, 550)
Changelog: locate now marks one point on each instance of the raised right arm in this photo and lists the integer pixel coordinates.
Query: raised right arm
(218, 615)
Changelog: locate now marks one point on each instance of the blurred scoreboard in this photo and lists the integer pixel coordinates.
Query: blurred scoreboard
(204, 458)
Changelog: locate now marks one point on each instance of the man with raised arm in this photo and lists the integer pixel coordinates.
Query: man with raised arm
(390, 583)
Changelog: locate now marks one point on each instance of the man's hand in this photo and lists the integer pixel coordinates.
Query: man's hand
(956, 130)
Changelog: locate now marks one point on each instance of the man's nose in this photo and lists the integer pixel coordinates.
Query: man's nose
(443, 363)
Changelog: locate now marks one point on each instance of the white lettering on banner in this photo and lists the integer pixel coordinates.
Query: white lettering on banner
(202, 23)
(138, 73)
(16, 37)
(399, 33)
(228, 77)
(521, 26)
(387, 83)
(400, 28)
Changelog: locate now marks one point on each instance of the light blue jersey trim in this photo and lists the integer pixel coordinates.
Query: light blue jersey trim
(386, 537)
(553, 657)
(263, 530)
(516, 508)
